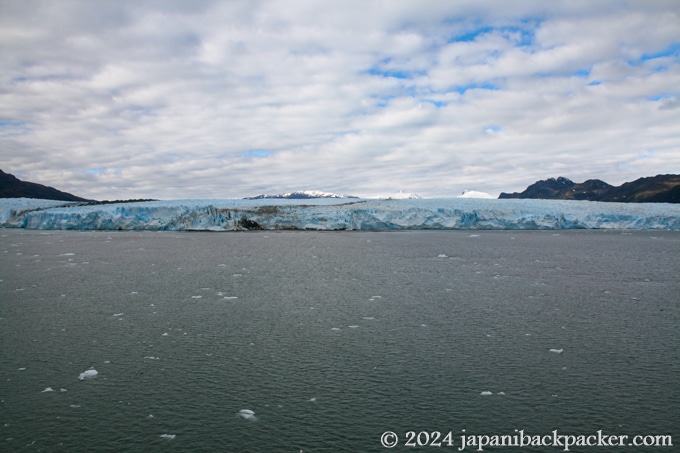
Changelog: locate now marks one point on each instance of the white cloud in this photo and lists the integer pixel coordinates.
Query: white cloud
(165, 99)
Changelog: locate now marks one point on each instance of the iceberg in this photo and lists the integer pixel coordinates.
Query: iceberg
(339, 214)
(247, 414)
(88, 374)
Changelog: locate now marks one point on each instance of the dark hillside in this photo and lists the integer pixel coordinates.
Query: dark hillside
(12, 187)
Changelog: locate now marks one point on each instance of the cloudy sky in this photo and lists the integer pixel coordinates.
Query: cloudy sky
(223, 99)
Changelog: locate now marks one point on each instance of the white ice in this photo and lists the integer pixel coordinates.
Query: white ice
(557, 351)
(339, 214)
(88, 374)
(168, 436)
(247, 414)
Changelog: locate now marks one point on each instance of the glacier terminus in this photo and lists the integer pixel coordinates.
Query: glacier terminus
(329, 214)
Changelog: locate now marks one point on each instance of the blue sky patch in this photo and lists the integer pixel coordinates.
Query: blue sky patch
(256, 153)
(438, 104)
(471, 35)
(476, 86)
(581, 73)
(671, 51)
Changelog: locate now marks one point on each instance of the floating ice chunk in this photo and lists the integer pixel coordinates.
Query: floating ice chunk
(67, 254)
(48, 389)
(22, 369)
(231, 297)
(486, 393)
(196, 297)
(335, 328)
(88, 374)
(312, 400)
(168, 436)
(369, 318)
(165, 334)
(442, 256)
(557, 351)
(247, 414)
(501, 393)
(118, 314)
(63, 390)
(352, 327)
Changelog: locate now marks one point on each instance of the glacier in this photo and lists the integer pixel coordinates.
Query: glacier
(338, 214)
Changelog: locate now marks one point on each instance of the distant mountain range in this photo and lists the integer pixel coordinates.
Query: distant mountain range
(301, 195)
(12, 187)
(653, 189)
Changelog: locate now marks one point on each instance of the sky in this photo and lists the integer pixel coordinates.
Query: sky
(174, 99)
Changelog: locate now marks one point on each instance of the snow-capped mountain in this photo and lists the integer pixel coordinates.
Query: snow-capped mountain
(301, 195)
(474, 194)
(405, 196)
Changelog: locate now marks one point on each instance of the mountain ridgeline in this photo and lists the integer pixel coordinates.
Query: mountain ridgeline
(653, 189)
(13, 187)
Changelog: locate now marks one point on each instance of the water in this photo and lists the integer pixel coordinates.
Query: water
(332, 339)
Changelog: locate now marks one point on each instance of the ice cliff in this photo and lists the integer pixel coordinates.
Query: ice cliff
(337, 214)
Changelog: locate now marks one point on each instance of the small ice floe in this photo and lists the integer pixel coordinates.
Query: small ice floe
(48, 389)
(353, 327)
(369, 318)
(557, 351)
(88, 374)
(168, 436)
(231, 297)
(501, 393)
(221, 265)
(486, 393)
(335, 328)
(312, 400)
(165, 334)
(134, 292)
(22, 369)
(67, 254)
(374, 298)
(441, 255)
(247, 414)
(196, 297)
(116, 315)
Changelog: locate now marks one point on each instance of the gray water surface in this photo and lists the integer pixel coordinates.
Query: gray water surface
(334, 338)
